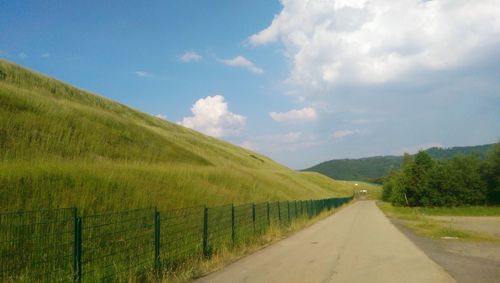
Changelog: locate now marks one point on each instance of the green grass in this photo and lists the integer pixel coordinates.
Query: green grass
(61, 147)
(462, 211)
(64, 147)
(417, 220)
(441, 211)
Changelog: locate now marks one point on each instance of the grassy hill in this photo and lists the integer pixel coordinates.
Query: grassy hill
(61, 146)
(371, 168)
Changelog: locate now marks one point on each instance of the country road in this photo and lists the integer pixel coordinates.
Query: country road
(357, 244)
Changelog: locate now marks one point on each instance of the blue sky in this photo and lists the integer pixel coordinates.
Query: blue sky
(300, 81)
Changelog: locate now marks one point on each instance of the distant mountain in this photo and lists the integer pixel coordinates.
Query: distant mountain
(373, 168)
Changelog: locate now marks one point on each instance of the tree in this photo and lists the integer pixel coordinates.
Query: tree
(491, 175)
(398, 182)
(415, 177)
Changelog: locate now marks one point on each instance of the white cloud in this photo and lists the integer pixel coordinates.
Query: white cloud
(189, 56)
(144, 74)
(212, 117)
(342, 134)
(161, 116)
(45, 55)
(295, 115)
(240, 61)
(339, 134)
(360, 121)
(289, 142)
(378, 41)
(23, 55)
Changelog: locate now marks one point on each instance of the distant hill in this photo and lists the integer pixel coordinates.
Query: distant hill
(61, 146)
(373, 168)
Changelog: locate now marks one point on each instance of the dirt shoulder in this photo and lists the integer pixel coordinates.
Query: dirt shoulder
(466, 261)
(489, 225)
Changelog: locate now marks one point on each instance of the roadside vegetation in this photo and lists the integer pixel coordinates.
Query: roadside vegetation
(64, 147)
(373, 169)
(420, 221)
(430, 196)
(460, 181)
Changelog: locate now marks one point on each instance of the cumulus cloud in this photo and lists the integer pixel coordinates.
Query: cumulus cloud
(342, 134)
(189, 56)
(339, 134)
(379, 41)
(161, 116)
(45, 55)
(242, 62)
(360, 121)
(144, 74)
(295, 115)
(212, 117)
(23, 55)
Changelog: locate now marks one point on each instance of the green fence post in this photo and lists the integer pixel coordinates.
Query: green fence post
(295, 205)
(279, 213)
(288, 205)
(77, 261)
(233, 235)
(206, 251)
(268, 216)
(253, 217)
(311, 208)
(157, 241)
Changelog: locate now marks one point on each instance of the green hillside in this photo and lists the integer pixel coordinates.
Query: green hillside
(372, 168)
(61, 146)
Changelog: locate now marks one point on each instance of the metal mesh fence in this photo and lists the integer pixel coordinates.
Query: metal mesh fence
(243, 223)
(274, 213)
(283, 209)
(181, 236)
(261, 220)
(219, 224)
(117, 245)
(37, 245)
(58, 246)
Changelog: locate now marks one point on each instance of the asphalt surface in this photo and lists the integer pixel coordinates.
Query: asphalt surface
(357, 244)
(467, 262)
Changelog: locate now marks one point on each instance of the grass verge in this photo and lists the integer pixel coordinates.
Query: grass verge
(417, 220)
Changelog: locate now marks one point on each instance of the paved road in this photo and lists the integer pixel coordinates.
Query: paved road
(357, 244)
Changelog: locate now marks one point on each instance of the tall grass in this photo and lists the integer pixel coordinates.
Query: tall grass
(61, 147)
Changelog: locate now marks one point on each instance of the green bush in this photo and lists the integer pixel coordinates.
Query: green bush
(460, 181)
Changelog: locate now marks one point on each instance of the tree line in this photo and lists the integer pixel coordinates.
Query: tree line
(459, 181)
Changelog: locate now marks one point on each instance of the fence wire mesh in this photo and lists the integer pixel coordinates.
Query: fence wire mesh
(261, 220)
(37, 245)
(58, 246)
(181, 236)
(219, 228)
(283, 210)
(243, 223)
(117, 245)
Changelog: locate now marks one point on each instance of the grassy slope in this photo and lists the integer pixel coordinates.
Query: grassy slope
(61, 146)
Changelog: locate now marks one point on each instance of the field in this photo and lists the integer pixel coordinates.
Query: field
(63, 147)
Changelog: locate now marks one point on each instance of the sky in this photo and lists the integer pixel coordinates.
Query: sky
(300, 81)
